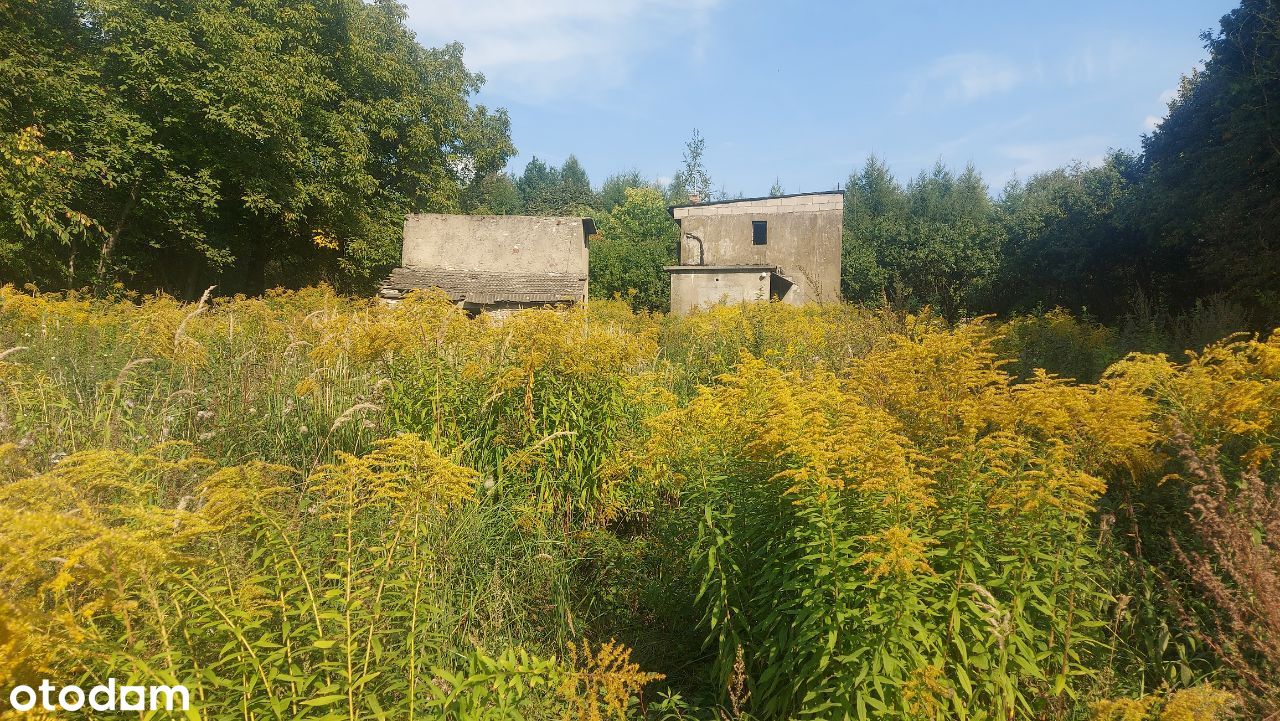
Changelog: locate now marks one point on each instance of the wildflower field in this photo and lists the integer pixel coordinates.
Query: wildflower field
(302, 505)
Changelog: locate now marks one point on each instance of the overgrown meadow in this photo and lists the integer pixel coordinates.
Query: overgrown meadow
(310, 506)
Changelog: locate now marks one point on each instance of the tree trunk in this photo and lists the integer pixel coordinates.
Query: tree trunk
(192, 283)
(109, 244)
(251, 269)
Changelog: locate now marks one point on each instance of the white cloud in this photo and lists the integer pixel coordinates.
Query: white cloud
(982, 134)
(1097, 62)
(1151, 122)
(964, 77)
(1027, 159)
(541, 49)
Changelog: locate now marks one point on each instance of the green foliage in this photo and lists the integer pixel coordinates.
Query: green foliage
(1071, 240)
(864, 585)
(548, 190)
(1188, 220)
(246, 145)
(636, 239)
(1199, 523)
(614, 190)
(494, 194)
(1060, 344)
(58, 129)
(935, 242)
(874, 213)
(304, 505)
(692, 178)
(1214, 161)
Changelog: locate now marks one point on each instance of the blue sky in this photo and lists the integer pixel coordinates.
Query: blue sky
(804, 91)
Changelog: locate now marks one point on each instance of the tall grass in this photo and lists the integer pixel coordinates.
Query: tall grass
(304, 505)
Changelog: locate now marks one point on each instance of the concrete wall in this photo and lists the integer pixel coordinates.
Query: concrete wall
(704, 287)
(804, 240)
(498, 243)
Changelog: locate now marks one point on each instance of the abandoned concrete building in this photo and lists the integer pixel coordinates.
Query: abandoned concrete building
(736, 251)
(493, 262)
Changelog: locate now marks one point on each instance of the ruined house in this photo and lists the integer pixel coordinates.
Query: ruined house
(735, 251)
(493, 262)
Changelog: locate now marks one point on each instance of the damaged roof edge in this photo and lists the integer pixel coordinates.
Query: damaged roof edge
(487, 287)
(672, 208)
(588, 223)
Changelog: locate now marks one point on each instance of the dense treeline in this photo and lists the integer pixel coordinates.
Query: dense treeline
(175, 145)
(1192, 216)
(183, 143)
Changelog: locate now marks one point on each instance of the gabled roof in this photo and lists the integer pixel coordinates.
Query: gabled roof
(487, 287)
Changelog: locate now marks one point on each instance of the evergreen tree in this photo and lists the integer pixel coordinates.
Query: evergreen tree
(576, 194)
(494, 194)
(548, 190)
(875, 212)
(935, 242)
(614, 190)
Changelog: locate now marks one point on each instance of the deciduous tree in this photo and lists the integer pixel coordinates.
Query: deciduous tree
(243, 144)
(635, 241)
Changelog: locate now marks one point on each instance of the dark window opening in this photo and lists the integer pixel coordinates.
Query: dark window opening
(778, 286)
(759, 232)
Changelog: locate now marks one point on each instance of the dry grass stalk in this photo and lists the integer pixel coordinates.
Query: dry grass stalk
(350, 413)
(200, 306)
(135, 363)
(1000, 622)
(1235, 569)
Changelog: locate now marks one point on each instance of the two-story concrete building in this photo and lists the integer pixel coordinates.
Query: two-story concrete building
(494, 262)
(785, 247)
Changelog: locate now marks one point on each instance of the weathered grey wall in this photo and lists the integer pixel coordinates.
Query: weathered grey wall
(804, 240)
(704, 287)
(497, 243)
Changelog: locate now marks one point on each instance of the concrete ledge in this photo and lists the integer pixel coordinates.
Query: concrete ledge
(720, 268)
